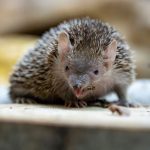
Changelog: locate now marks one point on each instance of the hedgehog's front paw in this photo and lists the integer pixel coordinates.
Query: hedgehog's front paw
(22, 100)
(78, 104)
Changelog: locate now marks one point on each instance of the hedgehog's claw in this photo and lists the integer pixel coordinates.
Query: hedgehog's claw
(22, 100)
(77, 104)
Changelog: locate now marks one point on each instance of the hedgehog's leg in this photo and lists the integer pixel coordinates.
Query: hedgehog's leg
(121, 92)
(22, 100)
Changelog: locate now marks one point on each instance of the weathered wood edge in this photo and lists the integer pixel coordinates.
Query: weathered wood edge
(86, 118)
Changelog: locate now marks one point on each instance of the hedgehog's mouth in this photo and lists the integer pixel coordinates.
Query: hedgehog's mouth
(78, 92)
(81, 92)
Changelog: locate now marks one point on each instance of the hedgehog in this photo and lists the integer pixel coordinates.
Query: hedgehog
(78, 61)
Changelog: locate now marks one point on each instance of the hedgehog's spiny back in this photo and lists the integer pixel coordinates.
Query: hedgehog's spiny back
(88, 34)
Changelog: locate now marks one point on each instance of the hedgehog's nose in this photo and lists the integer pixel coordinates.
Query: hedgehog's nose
(76, 86)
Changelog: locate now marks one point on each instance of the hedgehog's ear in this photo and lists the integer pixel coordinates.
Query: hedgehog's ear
(64, 44)
(110, 53)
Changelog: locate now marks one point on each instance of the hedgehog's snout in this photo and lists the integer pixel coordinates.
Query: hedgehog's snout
(78, 83)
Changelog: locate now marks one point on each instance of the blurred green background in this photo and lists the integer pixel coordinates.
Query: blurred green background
(22, 22)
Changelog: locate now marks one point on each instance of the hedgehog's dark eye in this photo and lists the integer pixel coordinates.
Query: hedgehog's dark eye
(96, 72)
(72, 41)
(66, 68)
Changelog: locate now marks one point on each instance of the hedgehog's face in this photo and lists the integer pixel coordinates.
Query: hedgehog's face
(82, 75)
(81, 72)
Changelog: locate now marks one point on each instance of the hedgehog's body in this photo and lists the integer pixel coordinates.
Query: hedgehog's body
(60, 65)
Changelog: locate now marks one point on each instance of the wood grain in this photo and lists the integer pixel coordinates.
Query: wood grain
(93, 117)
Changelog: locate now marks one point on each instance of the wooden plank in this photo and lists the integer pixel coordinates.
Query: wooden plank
(93, 117)
(36, 127)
